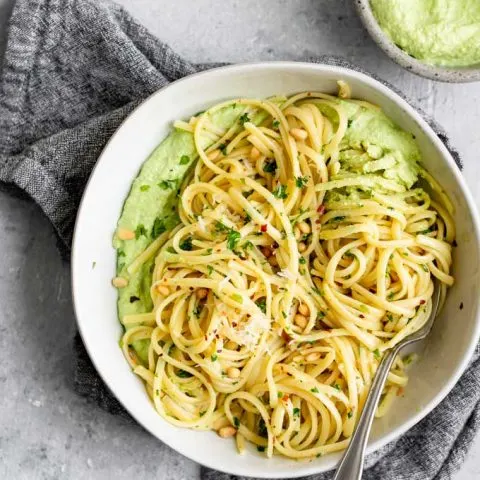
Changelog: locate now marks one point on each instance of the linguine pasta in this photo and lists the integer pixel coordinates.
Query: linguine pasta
(286, 279)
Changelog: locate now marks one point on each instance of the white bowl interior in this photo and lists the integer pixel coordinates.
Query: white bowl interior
(447, 350)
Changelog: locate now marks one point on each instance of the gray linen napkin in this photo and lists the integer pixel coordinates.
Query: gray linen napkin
(73, 70)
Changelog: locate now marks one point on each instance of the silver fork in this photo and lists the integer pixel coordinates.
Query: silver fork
(351, 466)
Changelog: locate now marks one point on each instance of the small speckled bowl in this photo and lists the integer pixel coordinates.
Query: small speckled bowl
(442, 74)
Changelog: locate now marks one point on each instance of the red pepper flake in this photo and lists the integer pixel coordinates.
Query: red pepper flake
(263, 228)
(362, 316)
(400, 392)
(321, 209)
(234, 324)
(422, 302)
(285, 397)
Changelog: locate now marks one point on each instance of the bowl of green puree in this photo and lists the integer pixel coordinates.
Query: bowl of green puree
(437, 39)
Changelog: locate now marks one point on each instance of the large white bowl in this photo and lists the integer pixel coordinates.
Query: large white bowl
(449, 347)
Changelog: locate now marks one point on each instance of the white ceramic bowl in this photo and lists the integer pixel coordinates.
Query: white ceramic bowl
(447, 351)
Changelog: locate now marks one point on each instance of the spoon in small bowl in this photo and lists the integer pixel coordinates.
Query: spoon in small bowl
(351, 466)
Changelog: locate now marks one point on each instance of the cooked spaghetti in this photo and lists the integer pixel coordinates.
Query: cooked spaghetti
(298, 259)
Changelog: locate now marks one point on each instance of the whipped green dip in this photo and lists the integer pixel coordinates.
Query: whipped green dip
(373, 148)
(437, 32)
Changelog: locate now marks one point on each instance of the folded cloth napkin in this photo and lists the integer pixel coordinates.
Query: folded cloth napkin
(73, 71)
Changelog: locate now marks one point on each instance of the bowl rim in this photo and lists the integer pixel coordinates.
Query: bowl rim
(278, 67)
(432, 72)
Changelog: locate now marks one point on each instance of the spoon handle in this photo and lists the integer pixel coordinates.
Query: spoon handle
(351, 466)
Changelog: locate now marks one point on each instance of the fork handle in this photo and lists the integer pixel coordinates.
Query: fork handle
(351, 466)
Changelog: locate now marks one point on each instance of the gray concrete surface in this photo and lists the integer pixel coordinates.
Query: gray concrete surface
(46, 430)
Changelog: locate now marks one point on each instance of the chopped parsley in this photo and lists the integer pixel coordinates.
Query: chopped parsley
(140, 230)
(144, 188)
(209, 270)
(390, 296)
(280, 192)
(183, 373)
(244, 118)
(158, 228)
(302, 260)
(236, 421)
(220, 227)
(121, 253)
(171, 250)
(275, 124)
(337, 386)
(184, 159)
(425, 268)
(314, 390)
(187, 244)
(247, 245)
(232, 239)
(428, 230)
(338, 219)
(223, 148)
(350, 414)
(296, 412)
(167, 184)
(270, 167)
(260, 448)
(376, 352)
(301, 182)
(197, 311)
(262, 304)
(214, 357)
(279, 394)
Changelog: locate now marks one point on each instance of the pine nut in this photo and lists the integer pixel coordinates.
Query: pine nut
(125, 234)
(302, 247)
(304, 227)
(300, 320)
(254, 153)
(227, 432)
(119, 282)
(303, 310)
(296, 232)
(312, 357)
(163, 290)
(298, 133)
(202, 293)
(233, 372)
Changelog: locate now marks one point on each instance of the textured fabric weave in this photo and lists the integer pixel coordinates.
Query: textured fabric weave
(73, 70)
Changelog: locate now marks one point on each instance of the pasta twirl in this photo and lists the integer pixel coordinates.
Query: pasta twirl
(301, 254)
